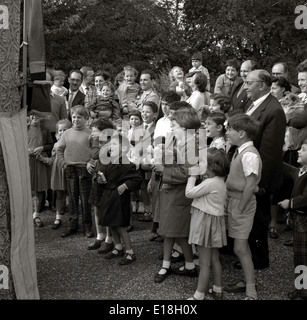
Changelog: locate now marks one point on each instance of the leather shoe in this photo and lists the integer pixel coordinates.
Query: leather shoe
(185, 272)
(273, 233)
(57, 225)
(106, 247)
(69, 233)
(96, 244)
(161, 277)
(235, 288)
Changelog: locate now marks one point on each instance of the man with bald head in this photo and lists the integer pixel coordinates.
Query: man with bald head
(280, 69)
(239, 98)
(269, 141)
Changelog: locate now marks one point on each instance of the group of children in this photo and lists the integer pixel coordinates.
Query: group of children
(131, 154)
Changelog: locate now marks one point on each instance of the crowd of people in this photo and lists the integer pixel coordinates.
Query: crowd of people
(210, 166)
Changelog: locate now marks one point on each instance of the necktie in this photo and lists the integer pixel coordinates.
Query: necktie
(146, 126)
(236, 153)
(70, 99)
(241, 89)
(250, 108)
(86, 90)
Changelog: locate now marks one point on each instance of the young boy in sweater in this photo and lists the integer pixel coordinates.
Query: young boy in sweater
(75, 155)
(242, 184)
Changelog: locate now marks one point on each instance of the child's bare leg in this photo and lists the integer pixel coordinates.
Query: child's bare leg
(242, 251)
(204, 273)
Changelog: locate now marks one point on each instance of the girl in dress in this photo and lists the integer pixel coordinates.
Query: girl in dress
(39, 143)
(58, 179)
(207, 228)
(215, 130)
(174, 207)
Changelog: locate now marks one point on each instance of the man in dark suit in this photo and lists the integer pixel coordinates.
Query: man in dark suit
(280, 69)
(238, 96)
(75, 96)
(269, 142)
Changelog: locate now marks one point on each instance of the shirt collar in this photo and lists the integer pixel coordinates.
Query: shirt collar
(245, 145)
(260, 100)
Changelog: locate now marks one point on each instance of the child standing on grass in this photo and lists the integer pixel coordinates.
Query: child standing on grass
(39, 143)
(207, 228)
(242, 184)
(297, 211)
(120, 178)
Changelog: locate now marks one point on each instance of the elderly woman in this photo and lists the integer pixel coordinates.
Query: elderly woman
(199, 97)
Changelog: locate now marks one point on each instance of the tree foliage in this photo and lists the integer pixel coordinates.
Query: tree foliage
(163, 33)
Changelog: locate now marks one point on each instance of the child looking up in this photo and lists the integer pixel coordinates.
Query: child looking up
(215, 130)
(121, 177)
(207, 227)
(242, 184)
(225, 81)
(179, 84)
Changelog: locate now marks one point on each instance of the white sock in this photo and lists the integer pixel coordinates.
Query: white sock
(35, 215)
(165, 265)
(251, 290)
(217, 289)
(58, 216)
(108, 239)
(119, 247)
(199, 295)
(189, 265)
(100, 236)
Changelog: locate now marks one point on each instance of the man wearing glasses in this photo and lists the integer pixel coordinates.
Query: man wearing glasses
(239, 98)
(269, 142)
(75, 96)
(280, 69)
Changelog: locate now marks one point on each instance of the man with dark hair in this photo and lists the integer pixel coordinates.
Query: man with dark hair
(75, 96)
(147, 81)
(238, 95)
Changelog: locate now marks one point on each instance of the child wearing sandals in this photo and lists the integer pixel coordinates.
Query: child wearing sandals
(207, 227)
(120, 178)
(242, 184)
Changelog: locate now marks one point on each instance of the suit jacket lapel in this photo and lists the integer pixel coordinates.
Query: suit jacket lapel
(257, 113)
